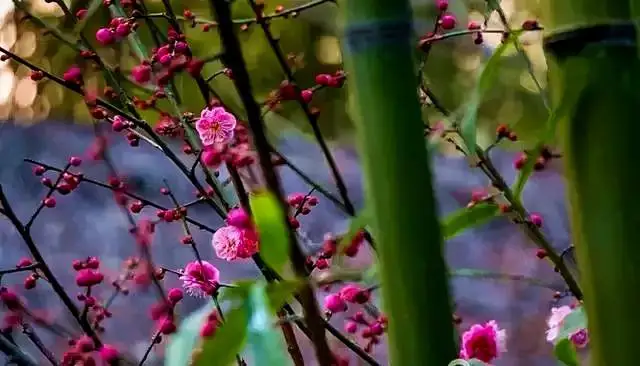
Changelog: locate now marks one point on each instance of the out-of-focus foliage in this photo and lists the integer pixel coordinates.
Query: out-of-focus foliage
(311, 38)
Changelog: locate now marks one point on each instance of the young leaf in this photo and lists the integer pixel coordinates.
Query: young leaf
(476, 362)
(468, 130)
(280, 292)
(136, 44)
(578, 80)
(357, 223)
(269, 219)
(239, 291)
(492, 5)
(264, 342)
(370, 277)
(182, 344)
(463, 362)
(565, 352)
(485, 82)
(222, 348)
(468, 217)
(572, 323)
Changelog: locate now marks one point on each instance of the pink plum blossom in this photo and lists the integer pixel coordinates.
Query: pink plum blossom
(231, 243)
(215, 126)
(579, 338)
(200, 280)
(484, 342)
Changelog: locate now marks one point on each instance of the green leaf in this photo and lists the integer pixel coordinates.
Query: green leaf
(136, 44)
(487, 77)
(476, 362)
(269, 218)
(182, 344)
(492, 5)
(281, 292)
(565, 352)
(572, 323)
(577, 79)
(239, 291)
(264, 342)
(463, 362)
(222, 348)
(277, 292)
(468, 217)
(468, 129)
(358, 222)
(370, 277)
(480, 273)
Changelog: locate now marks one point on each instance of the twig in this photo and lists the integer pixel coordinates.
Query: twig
(48, 274)
(28, 330)
(247, 21)
(487, 167)
(233, 56)
(313, 119)
(516, 43)
(14, 353)
(19, 269)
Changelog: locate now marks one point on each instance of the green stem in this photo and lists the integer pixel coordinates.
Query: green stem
(601, 148)
(379, 58)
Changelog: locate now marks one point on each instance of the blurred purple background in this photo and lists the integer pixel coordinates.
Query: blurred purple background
(88, 223)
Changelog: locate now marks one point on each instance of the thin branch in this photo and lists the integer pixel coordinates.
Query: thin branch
(20, 269)
(521, 51)
(533, 232)
(312, 118)
(291, 12)
(14, 353)
(145, 201)
(48, 274)
(233, 56)
(28, 331)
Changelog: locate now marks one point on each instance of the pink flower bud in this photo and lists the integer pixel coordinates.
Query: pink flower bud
(165, 59)
(175, 295)
(181, 47)
(448, 22)
(208, 329)
(334, 303)
(535, 219)
(167, 326)
(85, 344)
(123, 30)
(307, 94)
(239, 218)
(75, 161)
(354, 294)
(105, 36)
(10, 299)
(323, 79)
(74, 73)
(23, 262)
(81, 13)
(351, 327)
(108, 353)
(88, 277)
(141, 73)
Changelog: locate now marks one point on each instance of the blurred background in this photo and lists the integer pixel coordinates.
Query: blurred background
(312, 38)
(48, 123)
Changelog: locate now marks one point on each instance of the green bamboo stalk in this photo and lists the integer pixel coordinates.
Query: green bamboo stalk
(600, 140)
(379, 58)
